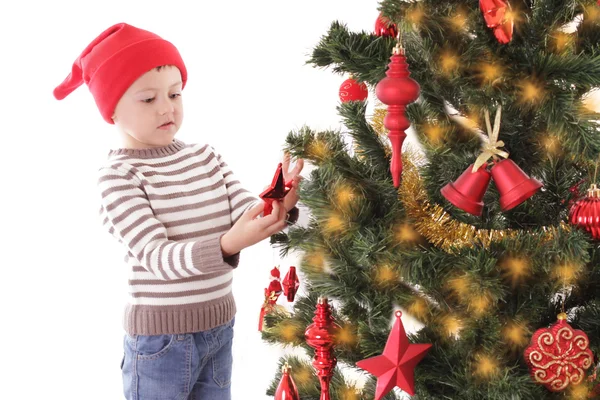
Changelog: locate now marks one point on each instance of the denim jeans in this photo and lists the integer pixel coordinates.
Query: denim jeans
(191, 366)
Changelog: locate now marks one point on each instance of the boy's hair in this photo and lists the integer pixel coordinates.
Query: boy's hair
(116, 59)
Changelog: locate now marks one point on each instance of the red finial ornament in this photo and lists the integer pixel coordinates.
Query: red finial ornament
(319, 335)
(396, 91)
(287, 388)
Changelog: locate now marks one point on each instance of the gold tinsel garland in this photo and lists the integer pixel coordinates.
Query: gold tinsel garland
(435, 224)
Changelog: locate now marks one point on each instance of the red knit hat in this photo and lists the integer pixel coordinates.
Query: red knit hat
(116, 59)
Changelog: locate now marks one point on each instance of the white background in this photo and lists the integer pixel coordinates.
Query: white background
(63, 286)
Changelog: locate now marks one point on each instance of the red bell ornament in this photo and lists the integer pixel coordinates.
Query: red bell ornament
(585, 213)
(468, 190)
(397, 90)
(513, 184)
(287, 387)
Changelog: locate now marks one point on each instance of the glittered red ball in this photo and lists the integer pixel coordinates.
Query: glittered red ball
(585, 213)
(384, 27)
(351, 90)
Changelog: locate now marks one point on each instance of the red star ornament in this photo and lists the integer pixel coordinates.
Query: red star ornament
(277, 191)
(395, 367)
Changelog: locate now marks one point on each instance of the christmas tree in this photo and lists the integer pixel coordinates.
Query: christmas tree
(487, 263)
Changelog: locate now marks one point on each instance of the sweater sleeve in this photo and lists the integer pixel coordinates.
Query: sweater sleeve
(126, 213)
(240, 199)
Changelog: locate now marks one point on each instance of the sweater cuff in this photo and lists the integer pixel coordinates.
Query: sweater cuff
(292, 215)
(233, 260)
(207, 255)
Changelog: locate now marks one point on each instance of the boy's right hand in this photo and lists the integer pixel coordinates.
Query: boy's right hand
(249, 230)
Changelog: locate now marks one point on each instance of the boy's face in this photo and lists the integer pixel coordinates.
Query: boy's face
(150, 112)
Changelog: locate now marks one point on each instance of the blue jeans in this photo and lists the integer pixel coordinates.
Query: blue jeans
(191, 366)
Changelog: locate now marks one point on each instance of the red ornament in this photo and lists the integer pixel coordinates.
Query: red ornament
(513, 184)
(396, 91)
(498, 18)
(395, 367)
(385, 27)
(291, 283)
(320, 335)
(467, 191)
(287, 387)
(351, 90)
(585, 213)
(272, 293)
(277, 191)
(559, 355)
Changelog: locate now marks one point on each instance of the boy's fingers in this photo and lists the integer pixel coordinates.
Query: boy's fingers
(256, 210)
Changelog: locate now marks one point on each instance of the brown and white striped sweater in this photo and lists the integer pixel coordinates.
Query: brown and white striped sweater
(169, 207)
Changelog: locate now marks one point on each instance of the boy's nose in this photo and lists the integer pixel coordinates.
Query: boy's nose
(166, 107)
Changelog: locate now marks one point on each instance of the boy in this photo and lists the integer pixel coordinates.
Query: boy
(179, 211)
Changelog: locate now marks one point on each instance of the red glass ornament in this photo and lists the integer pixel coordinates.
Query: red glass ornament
(559, 355)
(351, 90)
(585, 213)
(291, 283)
(468, 190)
(513, 184)
(320, 335)
(497, 18)
(395, 367)
(397, 90)
(277, 191)
(287, 387)
(385, 27)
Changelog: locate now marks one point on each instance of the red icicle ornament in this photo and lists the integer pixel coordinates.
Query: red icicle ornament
(320, 335)
(396, 91)
(287, 387)
(291, 283)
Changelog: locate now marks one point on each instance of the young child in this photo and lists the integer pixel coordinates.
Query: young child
(179, 211)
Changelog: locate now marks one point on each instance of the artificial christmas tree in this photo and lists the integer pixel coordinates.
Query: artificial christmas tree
(481, 282)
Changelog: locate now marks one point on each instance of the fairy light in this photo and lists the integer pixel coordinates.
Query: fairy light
(385, 275)
(490, 72)
(434, 132)
(314, 261)
(516, 269)
(406, 234)
(480, 303)
(290, 331)
(344, 196)
(449, 62)
(515, 334)
(531, 92)
(346, 336)
(452, 325)
(419, 308)
(318, 150)
(460, 286)
(415, 14)
(334, 224)
(302, 375)
(567, 273)
(561, 41)
(458, 21)
(485, 366)
(552, 145)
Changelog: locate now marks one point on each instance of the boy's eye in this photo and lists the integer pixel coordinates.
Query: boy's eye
(148, 100)
(175, 95)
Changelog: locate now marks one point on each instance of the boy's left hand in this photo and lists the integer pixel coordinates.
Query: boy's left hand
(290, 200)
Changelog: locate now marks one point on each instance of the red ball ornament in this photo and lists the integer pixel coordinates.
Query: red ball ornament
(351, 90)
(287, 387)
(385, 27)
(559, 355)
(585, 213)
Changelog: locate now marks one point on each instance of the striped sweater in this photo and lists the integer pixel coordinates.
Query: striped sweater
(169, 207)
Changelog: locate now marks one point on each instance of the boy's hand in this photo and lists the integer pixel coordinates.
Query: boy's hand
(249, 230)
(290, 200)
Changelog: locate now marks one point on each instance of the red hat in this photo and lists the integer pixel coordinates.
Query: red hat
(116, 59)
